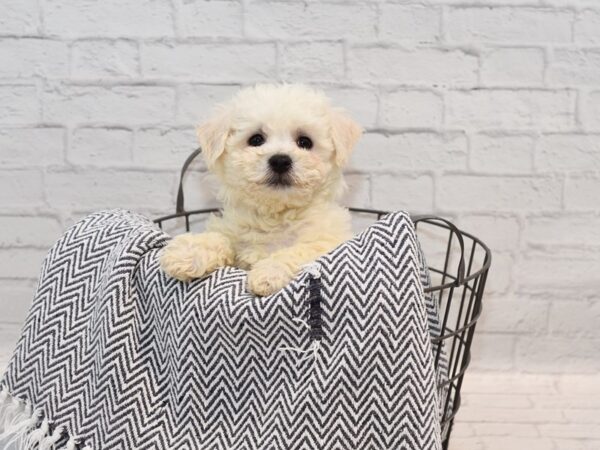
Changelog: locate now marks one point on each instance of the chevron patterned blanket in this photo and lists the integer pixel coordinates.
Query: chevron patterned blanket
(116, 355)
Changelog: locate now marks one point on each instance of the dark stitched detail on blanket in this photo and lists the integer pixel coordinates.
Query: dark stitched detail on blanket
(314, 313)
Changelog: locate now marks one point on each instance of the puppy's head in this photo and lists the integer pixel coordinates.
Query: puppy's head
(280, 145)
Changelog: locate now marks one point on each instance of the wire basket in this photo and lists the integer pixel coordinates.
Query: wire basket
(458, 263)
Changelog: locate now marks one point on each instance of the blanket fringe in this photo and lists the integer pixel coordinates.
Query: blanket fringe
(22, 427)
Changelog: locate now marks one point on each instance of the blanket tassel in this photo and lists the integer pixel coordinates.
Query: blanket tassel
(48, 442)
(71, 444)
(21, 426)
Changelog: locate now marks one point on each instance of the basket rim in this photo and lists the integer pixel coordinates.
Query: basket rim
(456, 281)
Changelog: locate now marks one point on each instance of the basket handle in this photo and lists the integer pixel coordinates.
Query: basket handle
(179, 208)
(460, 275)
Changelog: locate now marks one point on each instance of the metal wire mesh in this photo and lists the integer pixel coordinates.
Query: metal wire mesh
(458, 263)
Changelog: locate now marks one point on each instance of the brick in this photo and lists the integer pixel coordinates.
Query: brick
(577, 444)
(101, 146)
(20, 58)
(521, 315)
(587, 27)
(512, 109)
(407, 109)
(499, 278)
(495, 193)
(199, 189)
(513, 67)
(466, 443)
(99, 59)
(591, 109)
(38, 231)
(570, 67)
(361, 104)
(21, 263)
(568, 152)
(15, 300)
(317, 20)
(580, 318)
(118, 105)
(165, 148)
(583, 230)
(402, 191)
(582, 415)
(31, 146)
(571, 430)
(358, 193)
(410, 22)
(512, 430)
(547, 270)
(571, 4)
(580, 385)
(512, 415)
(501, 153)
(361, 221)
(21, 188)
(414, 67)
(581, 194)
(196, 101)
(557, 355)
(530, 443)
(570, 401)
(515, 383)
(210, 18)
(497, 400)
(126, 189)
(461, 430)
(502, 24)
(501, 347)
(500, 233)
(410, 151)
(491, 3)
(210, 62)
(9, 335)
(19, 104)
(20, 17)
(112, 18)
(312, 61)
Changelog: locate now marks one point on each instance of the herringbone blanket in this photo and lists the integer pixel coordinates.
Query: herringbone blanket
(116, 355)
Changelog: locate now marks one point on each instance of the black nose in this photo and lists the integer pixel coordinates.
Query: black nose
(280, 163)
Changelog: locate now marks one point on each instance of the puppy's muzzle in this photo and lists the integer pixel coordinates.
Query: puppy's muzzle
(280, 163)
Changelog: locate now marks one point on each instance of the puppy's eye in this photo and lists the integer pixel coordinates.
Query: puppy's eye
(304, 142)
(256, 140)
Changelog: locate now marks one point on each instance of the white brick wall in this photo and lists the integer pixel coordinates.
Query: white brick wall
(484, 111)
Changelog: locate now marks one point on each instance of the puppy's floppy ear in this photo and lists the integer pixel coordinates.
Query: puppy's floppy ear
(345, 133)
(212, 136)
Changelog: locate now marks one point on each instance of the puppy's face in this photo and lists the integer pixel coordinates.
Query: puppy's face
(280, 145)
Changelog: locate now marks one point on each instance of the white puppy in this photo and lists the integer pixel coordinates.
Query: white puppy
(278, 151)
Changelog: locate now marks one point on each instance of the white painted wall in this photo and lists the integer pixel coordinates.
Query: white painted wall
(486, 112)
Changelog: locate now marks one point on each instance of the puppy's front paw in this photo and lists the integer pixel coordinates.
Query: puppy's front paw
(191, 256)
(268, 276)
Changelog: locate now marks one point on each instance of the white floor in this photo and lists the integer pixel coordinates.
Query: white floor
(502, 411)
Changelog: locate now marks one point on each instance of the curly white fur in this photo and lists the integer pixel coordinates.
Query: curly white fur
(270, 230)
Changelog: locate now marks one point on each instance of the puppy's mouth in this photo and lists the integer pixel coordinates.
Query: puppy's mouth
(277, 180)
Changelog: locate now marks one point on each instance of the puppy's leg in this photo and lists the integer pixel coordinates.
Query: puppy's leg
(273, 273)
(268, 276)
(189, 256)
